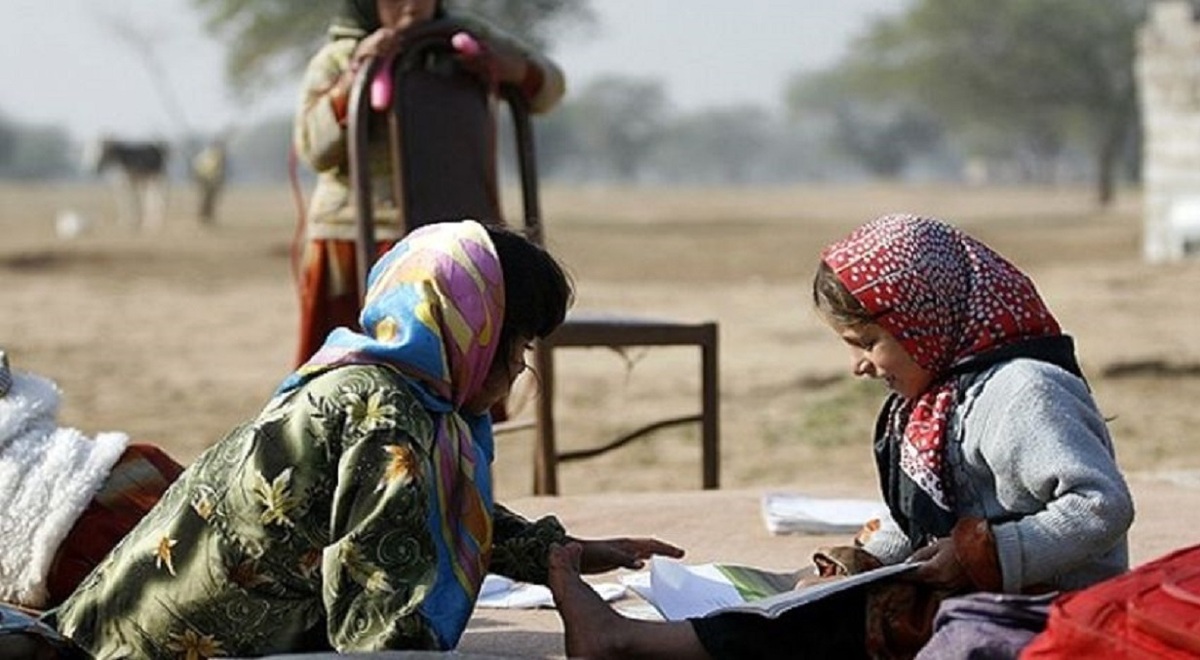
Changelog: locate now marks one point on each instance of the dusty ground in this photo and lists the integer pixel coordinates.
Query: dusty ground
(178, 335)
(175, 336)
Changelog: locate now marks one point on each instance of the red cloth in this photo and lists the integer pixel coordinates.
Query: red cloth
(329, 295)
(133, 487)
(1152, 611)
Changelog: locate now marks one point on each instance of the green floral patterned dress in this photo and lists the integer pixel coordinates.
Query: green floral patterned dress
(305, 530)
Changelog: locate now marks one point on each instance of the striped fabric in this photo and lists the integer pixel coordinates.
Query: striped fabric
(133, 487)
(6, 381)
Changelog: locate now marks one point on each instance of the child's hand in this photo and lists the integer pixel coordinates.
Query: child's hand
(608, 554)
(941, 567)
(841, 560)
(814, 579)
(494, 62)
(383, 41)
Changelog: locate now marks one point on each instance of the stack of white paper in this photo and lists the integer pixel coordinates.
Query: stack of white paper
(792, 513)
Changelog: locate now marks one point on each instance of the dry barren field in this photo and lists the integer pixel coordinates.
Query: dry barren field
(176, 336)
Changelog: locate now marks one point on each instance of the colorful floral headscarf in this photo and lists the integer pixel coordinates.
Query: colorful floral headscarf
(433, 311)
(946, 298)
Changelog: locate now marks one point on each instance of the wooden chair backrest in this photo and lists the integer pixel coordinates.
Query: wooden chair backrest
(442, 128)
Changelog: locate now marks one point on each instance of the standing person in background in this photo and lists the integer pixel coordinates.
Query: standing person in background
(994, 461)
(209, 172)
(356, 512)
(328, 286)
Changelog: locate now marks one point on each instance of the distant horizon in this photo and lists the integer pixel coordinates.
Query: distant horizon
(98, 81)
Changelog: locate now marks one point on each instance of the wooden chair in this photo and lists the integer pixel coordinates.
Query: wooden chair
(442, 128)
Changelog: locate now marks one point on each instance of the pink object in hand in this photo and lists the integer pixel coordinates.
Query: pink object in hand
(381, 85)
(466, 44)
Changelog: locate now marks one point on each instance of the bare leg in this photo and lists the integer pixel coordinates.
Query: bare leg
(126, 197)
(154, 200)
(595, 631)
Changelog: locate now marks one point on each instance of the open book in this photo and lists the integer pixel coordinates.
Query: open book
(679, 591)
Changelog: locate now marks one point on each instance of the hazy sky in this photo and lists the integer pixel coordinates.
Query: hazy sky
(69, 63)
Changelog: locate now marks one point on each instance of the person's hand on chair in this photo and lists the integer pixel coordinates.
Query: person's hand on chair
(495, 63)
(381, 42)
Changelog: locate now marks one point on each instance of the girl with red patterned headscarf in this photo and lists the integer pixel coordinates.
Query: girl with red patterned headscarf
(995, 463)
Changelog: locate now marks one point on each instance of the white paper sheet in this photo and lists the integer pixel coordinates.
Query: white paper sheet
(502, 593)
(794, 513)
(685, 591)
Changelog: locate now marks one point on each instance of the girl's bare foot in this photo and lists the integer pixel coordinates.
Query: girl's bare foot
(593, 629)
(597, 632)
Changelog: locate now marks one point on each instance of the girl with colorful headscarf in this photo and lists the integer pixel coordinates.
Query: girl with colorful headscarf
(355, 513)
(327, 281)
(994, 461)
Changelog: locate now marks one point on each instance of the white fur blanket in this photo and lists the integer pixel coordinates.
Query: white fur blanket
(48, 476)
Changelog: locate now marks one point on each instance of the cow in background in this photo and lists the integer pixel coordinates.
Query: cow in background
(138, 174)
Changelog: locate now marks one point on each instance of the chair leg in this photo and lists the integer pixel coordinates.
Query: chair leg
(710, 433)
(545, 469)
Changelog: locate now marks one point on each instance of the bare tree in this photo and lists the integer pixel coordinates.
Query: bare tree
(270, 40)
(143, 41)
(1029, 65)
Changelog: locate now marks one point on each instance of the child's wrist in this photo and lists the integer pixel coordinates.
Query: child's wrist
(531, 81)
(975, 550)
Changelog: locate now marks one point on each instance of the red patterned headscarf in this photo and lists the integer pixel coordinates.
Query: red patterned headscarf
(945, 297)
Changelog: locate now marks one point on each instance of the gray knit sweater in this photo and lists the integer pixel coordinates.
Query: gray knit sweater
(1030, 452)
